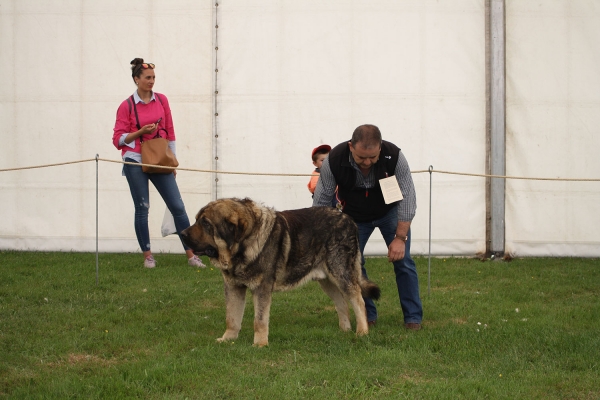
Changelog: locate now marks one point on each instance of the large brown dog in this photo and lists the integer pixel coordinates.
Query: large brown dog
(264, 250)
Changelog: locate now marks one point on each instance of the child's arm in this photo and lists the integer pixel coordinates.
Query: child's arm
(312, 184)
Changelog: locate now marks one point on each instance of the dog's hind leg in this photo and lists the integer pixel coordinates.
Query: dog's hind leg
(358, 305)
(235, 299)
(341, 306)
(262, 297)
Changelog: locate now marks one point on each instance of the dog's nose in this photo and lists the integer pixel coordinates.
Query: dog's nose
(184, 233)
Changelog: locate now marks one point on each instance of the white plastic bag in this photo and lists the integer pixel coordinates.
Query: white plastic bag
(168, 225)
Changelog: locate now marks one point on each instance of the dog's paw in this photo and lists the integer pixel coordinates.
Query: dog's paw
(362, 332)
(230, 334)
(260, 344)
(345, 326)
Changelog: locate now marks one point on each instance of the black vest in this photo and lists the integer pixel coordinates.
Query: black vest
(362, 204)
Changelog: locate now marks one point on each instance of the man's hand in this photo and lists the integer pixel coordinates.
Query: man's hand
(396, 250)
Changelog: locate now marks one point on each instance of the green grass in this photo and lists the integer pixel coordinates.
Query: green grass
(151, 333)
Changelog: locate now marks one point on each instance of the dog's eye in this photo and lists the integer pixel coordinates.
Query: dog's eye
(205, 224)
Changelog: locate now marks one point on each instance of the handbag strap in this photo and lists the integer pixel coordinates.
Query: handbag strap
(137, 120)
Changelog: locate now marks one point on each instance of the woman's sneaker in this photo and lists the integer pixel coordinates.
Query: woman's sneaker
(149, 262)
(195, 261)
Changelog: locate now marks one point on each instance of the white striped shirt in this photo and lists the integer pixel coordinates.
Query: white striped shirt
(407, 207)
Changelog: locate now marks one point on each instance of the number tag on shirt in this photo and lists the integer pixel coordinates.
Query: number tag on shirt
(390, 189)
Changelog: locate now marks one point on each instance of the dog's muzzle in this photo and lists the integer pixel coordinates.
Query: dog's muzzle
(198, 250)
(204, 251)
(209, 251)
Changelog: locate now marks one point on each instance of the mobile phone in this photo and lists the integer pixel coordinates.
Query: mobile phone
(160, 119)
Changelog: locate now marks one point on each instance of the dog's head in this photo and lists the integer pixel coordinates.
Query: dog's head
(219, 229)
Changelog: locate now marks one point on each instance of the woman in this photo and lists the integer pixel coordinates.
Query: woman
(153, 114)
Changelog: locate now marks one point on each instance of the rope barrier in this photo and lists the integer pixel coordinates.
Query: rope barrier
(278, 174)
(47, 165)
(519, 177)
(203, 170)
(430, 170)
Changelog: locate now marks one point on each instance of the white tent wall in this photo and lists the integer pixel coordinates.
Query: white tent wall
(64, 67)
(293, 75)
(553, 127)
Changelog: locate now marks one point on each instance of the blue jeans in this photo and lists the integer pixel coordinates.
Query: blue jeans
(167, 188)
(407, 280)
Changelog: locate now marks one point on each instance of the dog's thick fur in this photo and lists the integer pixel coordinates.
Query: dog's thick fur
(258, 248)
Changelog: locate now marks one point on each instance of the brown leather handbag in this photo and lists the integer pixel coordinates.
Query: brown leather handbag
(155, 151)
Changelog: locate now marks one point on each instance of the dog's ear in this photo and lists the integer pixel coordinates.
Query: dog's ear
(231, 229)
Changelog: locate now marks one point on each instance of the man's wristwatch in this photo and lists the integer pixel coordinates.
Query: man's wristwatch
(403, 238)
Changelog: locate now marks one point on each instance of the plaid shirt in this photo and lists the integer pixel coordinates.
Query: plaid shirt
(406, 207)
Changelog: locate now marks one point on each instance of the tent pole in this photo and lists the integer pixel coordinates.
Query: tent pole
(497, 126)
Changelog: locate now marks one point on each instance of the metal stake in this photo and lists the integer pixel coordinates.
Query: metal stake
(96, 219)
(429, 260)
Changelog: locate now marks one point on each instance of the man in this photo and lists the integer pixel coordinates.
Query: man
(356, 167)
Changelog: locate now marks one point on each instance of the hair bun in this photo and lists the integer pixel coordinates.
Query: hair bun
(137, 61)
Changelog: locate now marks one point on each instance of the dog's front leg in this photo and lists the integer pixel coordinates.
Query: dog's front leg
(235, 300)
(262, 308)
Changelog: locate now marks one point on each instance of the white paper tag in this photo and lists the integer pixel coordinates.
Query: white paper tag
(390, 189)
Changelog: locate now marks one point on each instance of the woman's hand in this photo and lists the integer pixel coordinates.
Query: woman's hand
(147, 129)
(143, 130)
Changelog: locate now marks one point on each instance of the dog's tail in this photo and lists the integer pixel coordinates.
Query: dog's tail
(369, 289)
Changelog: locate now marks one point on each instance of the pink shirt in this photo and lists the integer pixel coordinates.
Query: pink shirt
(158, 107)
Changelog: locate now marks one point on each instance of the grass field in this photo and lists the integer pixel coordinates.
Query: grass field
(526, 329)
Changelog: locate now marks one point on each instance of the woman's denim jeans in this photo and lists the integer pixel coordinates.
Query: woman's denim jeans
(167, 188)
(407, 280)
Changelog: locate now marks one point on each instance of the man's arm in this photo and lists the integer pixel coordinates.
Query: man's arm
(325, 189)
(397, 248)
(406, 209)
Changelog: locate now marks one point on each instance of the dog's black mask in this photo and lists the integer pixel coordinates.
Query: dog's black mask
(209, 251)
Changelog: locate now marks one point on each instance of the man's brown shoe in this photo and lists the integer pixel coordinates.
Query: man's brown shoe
(413, 326)
(372, 323)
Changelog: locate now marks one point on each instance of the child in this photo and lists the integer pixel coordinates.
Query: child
(319, 154)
